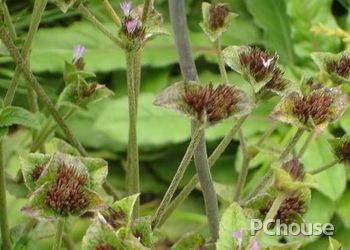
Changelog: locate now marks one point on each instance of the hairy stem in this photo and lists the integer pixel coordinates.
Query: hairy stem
(111, 12)
(267, 133)
(221, 61)
(5, 232)
(68, 242)
(306, 144)
(59, 234)
(325, 167)
(178, 175)
(189, 72)
(147, 4)
(133, 178)
(245, 167)
(191, 185)
(291, 144)
(8, 20)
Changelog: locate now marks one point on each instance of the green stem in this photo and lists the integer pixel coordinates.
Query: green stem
(8, 20)
(321, 169)
(5, 232)
(291, 144)
(191, 185)
(111, 12)
(306, 144)
(59, 235)
(245, 167)
(34, 24)
(189, 72)
(221, 61)
(178, 175)
(267, 133)
(273, 211)
(88, 15)
(146, 8)
(68, 242)
(133, 178)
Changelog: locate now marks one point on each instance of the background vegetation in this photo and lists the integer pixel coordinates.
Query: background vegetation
(284, 26)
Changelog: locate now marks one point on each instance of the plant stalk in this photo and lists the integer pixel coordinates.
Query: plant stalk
(111, 12)
(221, 61)
(5, 232)
(291, 144)
(147, 4)
(178, 175)
(326, 167)
(189, 72)
(306, 144)
(59, 234)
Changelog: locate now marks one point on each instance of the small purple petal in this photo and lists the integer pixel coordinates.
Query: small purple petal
(255, 245)
(238, 234)
(78, 52)
(131, 26)
(126, 7)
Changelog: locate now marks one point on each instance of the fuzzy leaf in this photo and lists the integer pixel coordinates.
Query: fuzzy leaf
(98, 170)
(58, 145)
(189, 241)
(142, 229)
(16, 115)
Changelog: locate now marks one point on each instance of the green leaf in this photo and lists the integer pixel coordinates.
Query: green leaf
(124, 208)
(343, 208)
(16, 115)
(142, 229)
(232, 220)
(334, 244)
(271, 16)
(58, 145)
(189, 241)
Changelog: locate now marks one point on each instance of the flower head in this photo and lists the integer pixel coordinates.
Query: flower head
(314, 110)
(341, 149)
(238, 234)
(276, 85)
(37, 172)
(132, 29)
(217, 15)
(340, 67)
(78, 54)
(205, 103)
(126, 7)
(255, 245)
(295, 168)
(131, 26)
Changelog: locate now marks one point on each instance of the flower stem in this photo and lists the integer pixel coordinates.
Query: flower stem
(306, 144)
(191, 185)
(178, 175)
(245, 167)
(132, 173)
(111, 12)
(5, 232)
(321, 169)
(267, 133)
(59, 235)
(189, 72)
(8, 20)
(89, 16)
(291, 144)
(221, 61)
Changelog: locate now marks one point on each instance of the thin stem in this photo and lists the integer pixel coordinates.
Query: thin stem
(146, 9)
(34, 25)
(31, 79)
(291, 144)
(111, 12)
(221, 61)
(273, 211)
(133, 178)
(326, 167)
(5, 232)
(8, 20)
(88, 15)
(191, 185)
(178, 175)
(245, 167)
(59, 234)
(267, 133)
(306, 144)
(68, 242)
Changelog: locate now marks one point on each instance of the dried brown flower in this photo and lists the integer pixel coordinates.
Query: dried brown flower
(37, 172)
(114, 218)
(343, 152)
(341, 67)
(217, 16)
(216, 104)
(316, 106)
(294, 168)
(67, 194)
(259, 63)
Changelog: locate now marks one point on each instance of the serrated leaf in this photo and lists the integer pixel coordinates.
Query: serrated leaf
(16, 115)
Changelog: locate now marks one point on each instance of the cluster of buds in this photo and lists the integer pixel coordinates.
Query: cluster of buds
(132, 27)
(311, 111)
(78, 55)
(205, 103)
(341, 67)
(217, 16)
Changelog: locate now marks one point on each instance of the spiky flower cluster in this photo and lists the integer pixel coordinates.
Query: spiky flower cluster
(342, 152)
(258, 62)
(37, 172)
(217, 15)
(295, 169)
(104, 246)
(315, 106)
(67, 194)
(277, 83)
(114, 218)
(215, 104)
(340, 67)
(131, 25)
(291, 207)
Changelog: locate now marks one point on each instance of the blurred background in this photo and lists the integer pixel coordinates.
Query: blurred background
(291, 28)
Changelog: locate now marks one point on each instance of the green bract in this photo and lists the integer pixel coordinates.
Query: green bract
(204, 102)
(312, 111)
(341, 149)
(216, 20)
(337, 66)
(62, 184)
(64, 5)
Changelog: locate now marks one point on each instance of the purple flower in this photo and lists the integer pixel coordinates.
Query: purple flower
(238, 234)
(131, 26)
(126, 7)
(78, 52)
(255, 245)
